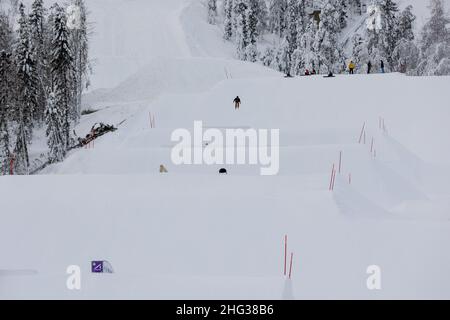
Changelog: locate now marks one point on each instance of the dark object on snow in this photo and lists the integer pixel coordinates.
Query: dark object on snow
(382, 66)
(369, 67)
(223, 171)
(307, 72)
(330, 75)
(237, 102)
(98, 130)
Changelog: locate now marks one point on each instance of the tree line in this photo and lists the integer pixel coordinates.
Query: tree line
(310, 35)
(44, 69)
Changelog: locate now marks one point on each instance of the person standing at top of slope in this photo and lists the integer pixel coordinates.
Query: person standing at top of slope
(369, 67)
(351, 67)
(237, 103)
(382, 66)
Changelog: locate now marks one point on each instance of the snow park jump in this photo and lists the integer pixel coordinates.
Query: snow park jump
(210, 151)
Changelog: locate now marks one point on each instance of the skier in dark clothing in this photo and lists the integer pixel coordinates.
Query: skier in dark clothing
(369, 67)
(382, 66)
(237, 103)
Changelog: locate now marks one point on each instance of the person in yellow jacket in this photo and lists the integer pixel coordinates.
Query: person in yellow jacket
(351, 67)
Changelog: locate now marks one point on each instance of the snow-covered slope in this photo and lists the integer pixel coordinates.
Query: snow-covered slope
(194, 234)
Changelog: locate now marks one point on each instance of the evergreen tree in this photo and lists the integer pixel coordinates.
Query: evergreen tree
(293, 16)
(5, 106)
(329, 53)
(62, 71)
(305, 56)
(388, 34)
(282, 60)
(436, 29)
(27, 79)
(228, 19)
(79, 44)
(406, 54)
(6, 33)
(405, 24)
(212, 11)
(242, 36)
(252, 34)
(54, 118)
(278, 17)
(435, 42)
(360, 54)
(37, 36)
(259, 9)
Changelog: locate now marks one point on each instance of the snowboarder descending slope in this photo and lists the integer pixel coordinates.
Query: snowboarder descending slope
(351, 67)
(237, 103)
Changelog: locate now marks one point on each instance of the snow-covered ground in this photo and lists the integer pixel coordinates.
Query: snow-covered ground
(194, 234)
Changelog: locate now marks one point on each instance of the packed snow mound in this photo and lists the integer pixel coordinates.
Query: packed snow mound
(177, 76)
(202, 38)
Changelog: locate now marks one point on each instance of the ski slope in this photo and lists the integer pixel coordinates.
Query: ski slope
(193, 234)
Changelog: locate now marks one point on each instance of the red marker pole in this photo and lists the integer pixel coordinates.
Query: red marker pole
(290, 267)
(334, 179)
(340, 162)
(331, 179)
(362, 131)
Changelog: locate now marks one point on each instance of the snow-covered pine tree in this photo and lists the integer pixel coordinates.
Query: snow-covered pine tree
(37, 36)
(251, 53)
(293, 17)
(6, 33)
(436, 29)
(278, 17)
(343, 10)
(242, 38)
(54, 119)
(268, 56)
(212, 11)
(435, 42)
(360, 55)
(406, 54)
(62, 71)
(79, 44)
(228, 19)
(259, 8)
(27, 79)
(329, 54)
(388, 35)
(305, 56)
(282, 60)
(405, 28)
(5, 104)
